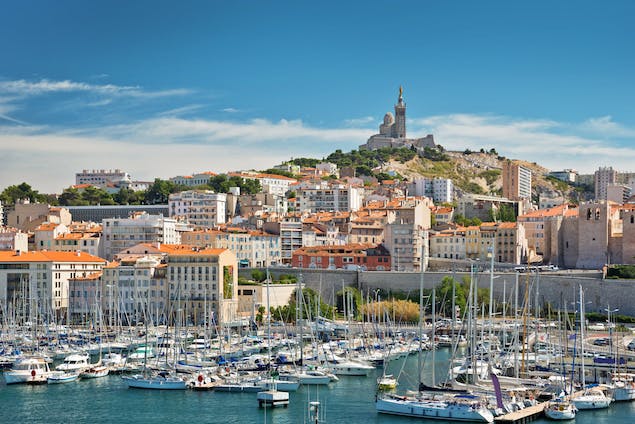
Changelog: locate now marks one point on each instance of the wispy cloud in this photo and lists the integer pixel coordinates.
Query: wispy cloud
(230, 110)
(358, 122)
(25, 88)
(181, 110)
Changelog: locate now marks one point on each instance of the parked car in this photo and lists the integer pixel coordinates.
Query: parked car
(601, 341)
(631, 345)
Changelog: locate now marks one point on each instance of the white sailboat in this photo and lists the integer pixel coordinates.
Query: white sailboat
(560, 409)
(272, 396)
(591, 397)
(434, 405)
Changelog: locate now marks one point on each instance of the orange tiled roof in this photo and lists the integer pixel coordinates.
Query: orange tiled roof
(48, 256)
(47, 226)
(202, 252)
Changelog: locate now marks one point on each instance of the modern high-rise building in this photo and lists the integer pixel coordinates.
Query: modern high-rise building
(516, 181)
(604, 177)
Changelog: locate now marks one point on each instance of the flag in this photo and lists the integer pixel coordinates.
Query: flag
(572, 336)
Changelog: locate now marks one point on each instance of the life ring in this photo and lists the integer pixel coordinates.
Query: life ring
(200, 378)
(32, 373)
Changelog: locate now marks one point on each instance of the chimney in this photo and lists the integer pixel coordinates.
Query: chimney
(18, 253)
(78, 253)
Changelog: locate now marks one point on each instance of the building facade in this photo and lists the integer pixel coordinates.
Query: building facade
(602, 178)
(516, 181)
(120, 233)
(34, 285)
(201, 208)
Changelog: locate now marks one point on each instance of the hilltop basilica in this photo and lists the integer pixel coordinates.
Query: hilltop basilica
(392, 133)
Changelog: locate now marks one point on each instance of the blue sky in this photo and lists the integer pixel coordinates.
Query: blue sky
(169, 88)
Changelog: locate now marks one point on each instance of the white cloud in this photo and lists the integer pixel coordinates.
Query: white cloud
(161, 147)
(548, 143)
(26, 88)
(230, 110)
(168, 145)
(604, 126)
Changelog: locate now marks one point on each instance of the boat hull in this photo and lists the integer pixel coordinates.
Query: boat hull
(434, 410)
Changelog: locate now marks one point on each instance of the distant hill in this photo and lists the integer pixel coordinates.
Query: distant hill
(471, 172)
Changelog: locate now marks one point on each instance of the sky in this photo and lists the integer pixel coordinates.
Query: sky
(162, 88)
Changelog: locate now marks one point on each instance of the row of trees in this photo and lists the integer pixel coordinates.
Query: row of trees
(157, 193)
(402, 307)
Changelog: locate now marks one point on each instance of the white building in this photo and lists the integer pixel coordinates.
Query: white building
(121, 233)
(270, 183)
(604, 177)
(13, 239)
(440, 190)
(324, 198)
(201, 208)
(101, 177)
(290, 237)
(194, 179)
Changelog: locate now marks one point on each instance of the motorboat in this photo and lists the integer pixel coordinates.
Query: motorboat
(387, 382)
(75, 362)
(31, 370)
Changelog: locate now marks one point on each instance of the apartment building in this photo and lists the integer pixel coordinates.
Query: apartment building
(121, 233)
(351, 256)
(34, 285)
(516, 181)
(201, 208)
(325, 198)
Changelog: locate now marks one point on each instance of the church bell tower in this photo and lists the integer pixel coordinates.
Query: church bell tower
(400, 117)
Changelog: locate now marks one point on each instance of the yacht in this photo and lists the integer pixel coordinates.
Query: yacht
(560, 410)
(623, 386)
(31, 370)
(443, 407)
(75, 362)
(592, 398)
(161, 381)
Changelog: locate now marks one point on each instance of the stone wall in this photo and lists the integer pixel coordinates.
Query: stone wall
(555, 288)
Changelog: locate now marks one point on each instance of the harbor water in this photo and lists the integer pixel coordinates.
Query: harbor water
(350, 400)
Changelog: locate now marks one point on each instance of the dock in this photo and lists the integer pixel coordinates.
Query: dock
(524, 415)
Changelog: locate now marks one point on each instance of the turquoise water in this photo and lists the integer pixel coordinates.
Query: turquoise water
(108, 400)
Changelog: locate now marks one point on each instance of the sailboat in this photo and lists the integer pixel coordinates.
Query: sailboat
(272, 396)
(592, 397)
(98, 369)
(434, 404)
(159, 381)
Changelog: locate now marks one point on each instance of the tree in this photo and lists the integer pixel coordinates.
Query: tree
(13, 193)
(72, 197)
(310, 299)
(159, 192)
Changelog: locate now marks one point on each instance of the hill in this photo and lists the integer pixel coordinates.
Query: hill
(471, 172)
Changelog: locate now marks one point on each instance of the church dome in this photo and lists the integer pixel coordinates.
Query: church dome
(389, 119)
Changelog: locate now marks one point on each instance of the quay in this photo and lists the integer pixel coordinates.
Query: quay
(524, 415)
